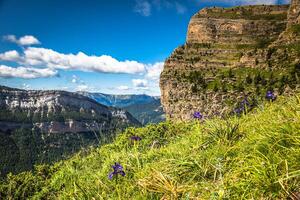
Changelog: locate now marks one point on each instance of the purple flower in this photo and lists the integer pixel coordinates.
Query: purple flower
(270, 96)
(242, 107)
(135, 138)
(118, 169)
(197, 115)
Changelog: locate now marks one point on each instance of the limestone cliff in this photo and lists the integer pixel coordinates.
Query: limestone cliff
(46, 126)
(231, 54)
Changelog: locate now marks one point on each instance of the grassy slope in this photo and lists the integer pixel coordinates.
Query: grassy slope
(256, 156)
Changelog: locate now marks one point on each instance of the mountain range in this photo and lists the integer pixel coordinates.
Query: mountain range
(45, 126)
(146, 109)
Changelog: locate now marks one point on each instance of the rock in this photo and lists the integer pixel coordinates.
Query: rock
(226, 49)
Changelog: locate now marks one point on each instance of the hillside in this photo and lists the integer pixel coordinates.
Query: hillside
(232, 54)
(45, 126)
(146, 113)
(256, 156)
(146, 109)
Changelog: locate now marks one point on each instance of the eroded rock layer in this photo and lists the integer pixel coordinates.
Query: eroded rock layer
(229, 56)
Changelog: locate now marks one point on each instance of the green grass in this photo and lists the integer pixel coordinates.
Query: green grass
(295, 29)
(256, 156)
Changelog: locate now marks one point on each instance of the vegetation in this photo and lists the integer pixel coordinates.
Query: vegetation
(146, 113)
(249, 13)
(295, 29)
(22, 148)
(255, 156)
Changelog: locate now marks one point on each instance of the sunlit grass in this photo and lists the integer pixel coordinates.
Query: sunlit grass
(256, 156)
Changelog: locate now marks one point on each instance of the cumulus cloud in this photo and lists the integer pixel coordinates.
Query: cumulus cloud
(80, 61)
(47, 57)
(153, 71)
(82, 88)
(181, 9)
(169, 4)
(123, 87)
(25, 72)
(140, 83)
(75, 79)
(26, 40)
(10, 56)
(143, 7)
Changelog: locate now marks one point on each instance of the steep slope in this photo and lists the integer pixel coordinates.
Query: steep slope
(45, 126)
(146, 113)
(230, 55)
(256, 156)
(146, 109)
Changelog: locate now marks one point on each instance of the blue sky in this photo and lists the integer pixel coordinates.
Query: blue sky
(111, 46)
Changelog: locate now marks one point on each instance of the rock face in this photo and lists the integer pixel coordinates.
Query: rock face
(45, 126)
(230, 55)
(59, 111)
(294, 13)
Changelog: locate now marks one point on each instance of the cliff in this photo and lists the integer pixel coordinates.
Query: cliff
(45, 126)
(231, 54)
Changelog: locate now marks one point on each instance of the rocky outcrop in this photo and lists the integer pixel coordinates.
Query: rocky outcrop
(229, 55)
(294, 13)
(46, 126)
(59, 111)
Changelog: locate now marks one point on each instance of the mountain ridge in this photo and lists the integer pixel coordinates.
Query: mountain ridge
(145, 108)
(46, 126)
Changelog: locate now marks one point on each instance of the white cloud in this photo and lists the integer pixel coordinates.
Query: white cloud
(181, 9)
(10, 56)
(143, 7)
(169, 4)
(153, 71)
(140, 83)
(75, 79)
(80, 61)
(82, 87)
(123, 87)
(25, 86)
(49, 58)
(26, 40)
(25, 72)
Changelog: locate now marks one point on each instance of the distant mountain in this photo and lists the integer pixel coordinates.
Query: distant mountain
(45, 126)
(151, 112)
(147, 109)
(120, 101)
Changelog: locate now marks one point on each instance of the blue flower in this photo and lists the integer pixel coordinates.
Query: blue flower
(242, 107)
(135, 138)
(118, 169)
(270, 96)
(197, 115)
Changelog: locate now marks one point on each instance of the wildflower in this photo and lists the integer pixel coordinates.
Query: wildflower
(135, 138)
(197, 115)
(242, 107)
(270, 96)
(118, 169)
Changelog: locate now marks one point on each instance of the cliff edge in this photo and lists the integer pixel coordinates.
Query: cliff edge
(232, 54)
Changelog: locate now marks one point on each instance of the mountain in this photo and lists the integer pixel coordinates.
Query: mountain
(146, 109)
(232, 55)
(46, 126)
(120, 101)
(151, 112)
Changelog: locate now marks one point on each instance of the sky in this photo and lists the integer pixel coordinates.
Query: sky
(107, 46)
